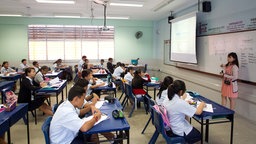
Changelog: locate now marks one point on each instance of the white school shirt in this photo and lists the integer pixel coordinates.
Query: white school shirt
(117, 72)
(128, 77)
(4, 70)
(89, 90)
(177, 109)
(22, 67)
(164, 96)
(65, 124)
(39, 77)
(80, 65)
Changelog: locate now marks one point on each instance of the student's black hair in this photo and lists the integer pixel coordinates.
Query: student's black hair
(122, 65)
(58, 60)
(175, 88)
(84, 57)
(234, 55)
(34, 63)
(28, 70)
(102, 60)
(44, 68)
(4, 63)
(75, 91)
(82, 83)
(109, 59)
(164, 85)
(23, 60)
(129, 69)
(86, 72)
(137, 72)
(118, 64)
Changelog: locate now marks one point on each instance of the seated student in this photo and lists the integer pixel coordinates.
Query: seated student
(36, 65)
(67, 72)
(66, 124)
(40, 74)
(86, 65)
(177, 109)
(101, 65)
(118, 71)
(6, 69)
(129, 76)
(138, 82)
(87, 74)
(81, 62)
(57, 65)
(27, 93)
(162, 94)
(87, 107)
(93, 97)
(23, 65)
(110, 66)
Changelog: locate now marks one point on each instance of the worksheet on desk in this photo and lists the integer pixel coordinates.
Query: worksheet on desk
(99, 104)
(103, 117)
(207, 108)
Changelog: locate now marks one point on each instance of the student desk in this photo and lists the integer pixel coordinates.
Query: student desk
(111, 124)
(12, 77)
(155, 85)
(4, 126)
(56, 90)
(12, 117)
(106, 88)
(5, 84)
(100, 75)
(220, 114)
(54, 74)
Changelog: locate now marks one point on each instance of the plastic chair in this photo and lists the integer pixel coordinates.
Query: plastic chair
(132, 98)
(46, 128)
(151, 104)
(159, 125)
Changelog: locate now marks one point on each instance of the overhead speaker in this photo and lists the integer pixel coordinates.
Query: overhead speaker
(170, 18)
(207, 6)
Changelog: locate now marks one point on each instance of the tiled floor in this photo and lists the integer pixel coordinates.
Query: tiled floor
(244, 130)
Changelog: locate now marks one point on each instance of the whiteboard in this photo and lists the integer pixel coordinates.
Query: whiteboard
(213, 50)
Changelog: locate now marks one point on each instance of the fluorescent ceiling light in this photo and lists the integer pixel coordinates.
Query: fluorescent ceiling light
(126, 4)
(57, 1)
(110, 17)
(67, 16)
(14, 15)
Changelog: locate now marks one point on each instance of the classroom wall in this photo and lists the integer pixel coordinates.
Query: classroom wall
(207, 85)
(14, 38)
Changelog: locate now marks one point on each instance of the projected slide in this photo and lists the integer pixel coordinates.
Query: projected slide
(183, 40)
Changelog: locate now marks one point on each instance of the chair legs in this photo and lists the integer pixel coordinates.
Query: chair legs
(154, 137)
(133, 107)
(150, 118)
(34, 115)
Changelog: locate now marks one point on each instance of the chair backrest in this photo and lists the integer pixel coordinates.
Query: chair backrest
(128, 91)
(159, 125)
(163, 116)
(3, 94)
(46, 129)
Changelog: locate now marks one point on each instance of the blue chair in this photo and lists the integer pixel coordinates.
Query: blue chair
(46, 129)
(151, 103)
(132, 98)
(159, 125)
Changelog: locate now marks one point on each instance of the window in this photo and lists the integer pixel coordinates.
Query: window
(51, 42)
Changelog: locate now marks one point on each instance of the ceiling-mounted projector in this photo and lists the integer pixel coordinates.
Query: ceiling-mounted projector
(104, 28)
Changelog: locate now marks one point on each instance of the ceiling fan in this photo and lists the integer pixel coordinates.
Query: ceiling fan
(104, 4)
